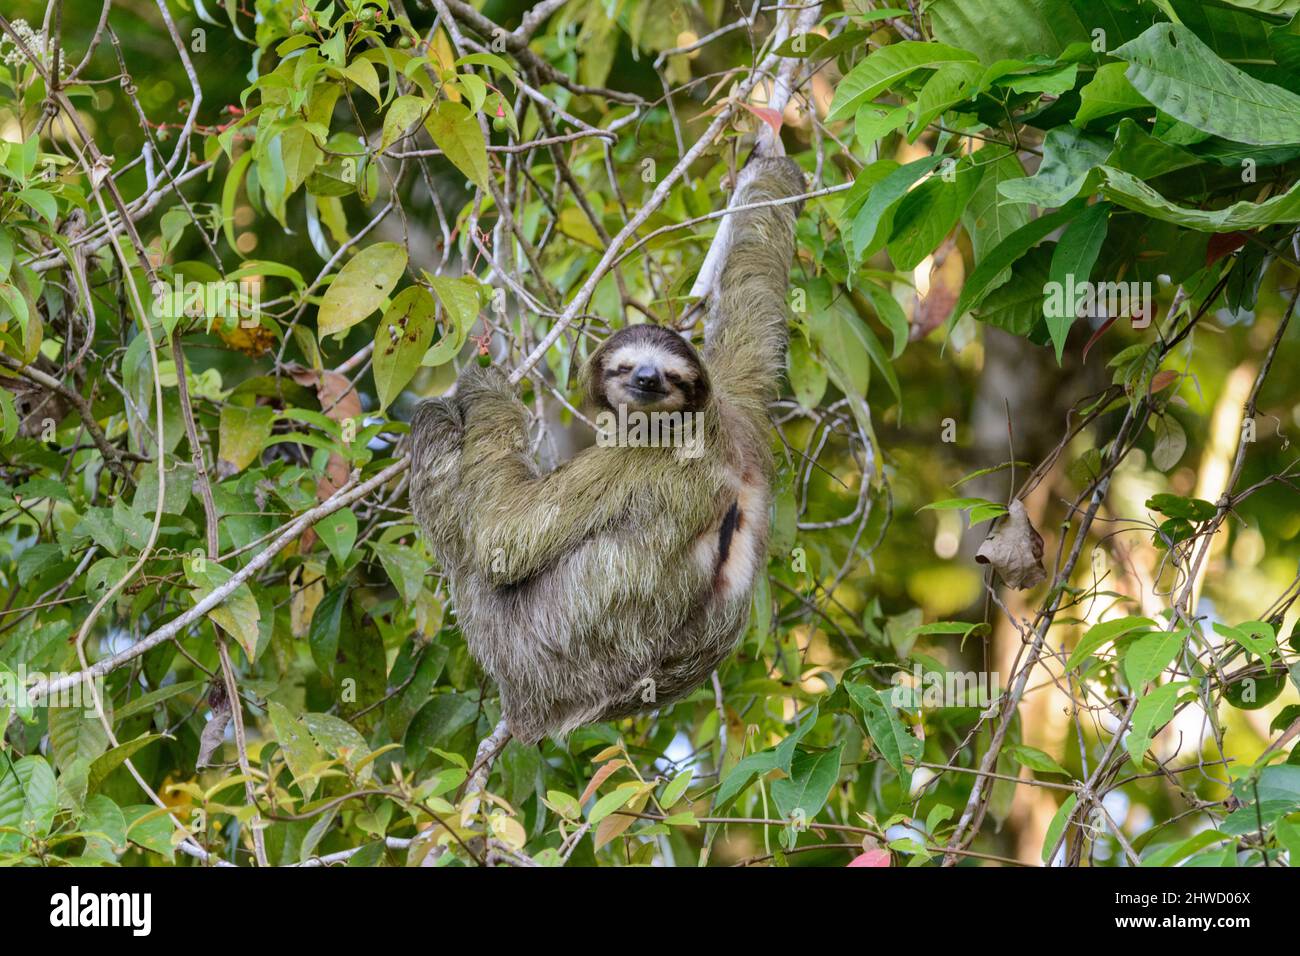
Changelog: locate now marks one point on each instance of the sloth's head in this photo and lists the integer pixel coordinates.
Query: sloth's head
(647, 368)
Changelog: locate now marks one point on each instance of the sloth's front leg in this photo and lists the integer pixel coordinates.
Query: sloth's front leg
(437, 436)
(488, 403)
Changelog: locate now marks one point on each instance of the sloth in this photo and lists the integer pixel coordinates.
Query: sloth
(614, 584)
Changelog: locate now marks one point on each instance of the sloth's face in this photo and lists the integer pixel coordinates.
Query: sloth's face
(646, 368)
(647, 376)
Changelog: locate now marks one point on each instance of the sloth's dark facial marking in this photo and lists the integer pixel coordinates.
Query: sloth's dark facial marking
(651, 369)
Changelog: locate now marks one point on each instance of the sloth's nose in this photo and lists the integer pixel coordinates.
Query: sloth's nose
(647, 376)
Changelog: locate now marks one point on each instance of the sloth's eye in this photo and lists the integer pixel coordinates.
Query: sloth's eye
(624, 369)
(674, 378)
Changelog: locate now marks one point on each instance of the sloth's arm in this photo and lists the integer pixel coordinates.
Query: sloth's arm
(436, 431)
(746, 350)
(516, 522)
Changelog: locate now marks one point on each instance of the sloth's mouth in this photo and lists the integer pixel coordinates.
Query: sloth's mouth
(647, 394)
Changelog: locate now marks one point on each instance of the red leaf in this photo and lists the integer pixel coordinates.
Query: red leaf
(599, 777)
(1222, 244)
(1163, 379)
(1095, 336)
(769, 116)
(878, 858)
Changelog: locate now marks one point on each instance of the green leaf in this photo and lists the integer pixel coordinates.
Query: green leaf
(361, 287)
(459, 299)
(840, 337)
(299, 153)
(28, 798)
(150, 828)
(1055, 81)
(491, 60)
(339, 739)
(361, 671)
(615, 800)
(1016, 306)
(238, 615)
(46, 206)
(1285, 718)
(884, 68)
(989, 217)
(779, 757)
(859, 330)
(951, 84)
(808, 376)
(953, 504)
(928, 213)
(871, 222)
(742, 774)
(326, 623)
(986, 275)
(1173, 854)
(230, 192)
(806, 45)
(1107, 93)
(1255, 636)
(1179, 74)
(887, 731)
(1170, 443)
(1149, 654)
(982, 513)
(300, 751)
(9, 416)
(1131, 193)
(456, 132)
(1176, 506)
(1007, 29)
(872, 123)
(1104, 633)
(364, 75)
(992, 469)
(339, 532)
(401, 708)
(242, 434)
(76, 732)
(104, 825)
(99, 524)
(264, 267)
(1057, 826)
(401, 339)
(404, 113)
(148, 701)
(1277, 8)
(1035, 759)
(1072, 261)
(106, 763)
(812, 776)
(676, 789)
(1153, 711)
(1069, 156)
(890, 314)
(964, 628)
(405, 569)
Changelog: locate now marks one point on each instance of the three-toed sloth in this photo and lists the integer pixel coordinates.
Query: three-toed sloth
(617, 582)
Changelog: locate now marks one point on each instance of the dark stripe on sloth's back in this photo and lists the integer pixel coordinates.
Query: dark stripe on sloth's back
(730, 522)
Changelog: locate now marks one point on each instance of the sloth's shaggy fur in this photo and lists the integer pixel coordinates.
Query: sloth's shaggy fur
(615, 583)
